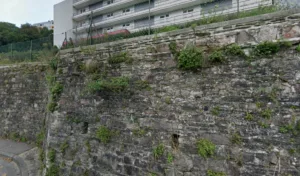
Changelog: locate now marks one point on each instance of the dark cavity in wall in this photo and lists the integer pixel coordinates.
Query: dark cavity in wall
(85, 127)
(175, 141)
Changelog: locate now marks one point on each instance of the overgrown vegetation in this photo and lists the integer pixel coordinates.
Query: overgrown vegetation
(158, 151)
(190, 58)
(206, 148)
(249, 116)
(234, 50)
(215, 173)
(217, 57)
(53, 170)
(298, 48)
(236, 138)
(51, 155)
(266, 48)
(216, 111)
(55, 90)
(170, 158)
(119, 58)
(116, 84)
(266, 113)
(173, 49)
(40, 138)
(104, 134)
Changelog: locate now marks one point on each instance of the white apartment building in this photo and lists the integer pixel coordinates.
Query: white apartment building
(48, 24)
(74, 18)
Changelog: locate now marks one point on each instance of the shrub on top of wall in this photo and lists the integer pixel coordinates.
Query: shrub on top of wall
(190, 58)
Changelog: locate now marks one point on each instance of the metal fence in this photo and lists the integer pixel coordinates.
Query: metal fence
(28, 51)
(213, 11)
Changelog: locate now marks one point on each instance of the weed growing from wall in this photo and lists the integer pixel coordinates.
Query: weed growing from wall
(236, 138)
(190, 58)
(266, 48)
(104, 134)
(298, 48)
(120, 58)
(158, 151)
(64, 146)
(217, 57)
(234, 50)
(206, 148)
(116, 84)
(173, 49)
(249, 116)
(214, 173)
(170, 158)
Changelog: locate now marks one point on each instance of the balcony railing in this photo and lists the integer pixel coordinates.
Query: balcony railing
(103, 6)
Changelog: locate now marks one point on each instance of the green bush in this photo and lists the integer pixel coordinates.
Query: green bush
(234, 50)
(51, 106)
(117, 84)
(158, 151)
(206, 148)
(170, 158)
(190, 58)
(214, 173)
(217, 57)
(266, 48)
(104, 134)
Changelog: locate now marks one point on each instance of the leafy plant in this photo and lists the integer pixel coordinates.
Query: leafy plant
(249, 116)
(190, 58)
(170, 158)
(266, 48)
(116, 84)
(104, 134)
(216, 111)
(56, 90)
(158, 151)
(40, 138)
(217, 57)
(53, 170)
(234, 50)
(214, 173)
(236, 138)
(206, 148)
(53, 63)
(267, 113)
(298, 48)
(119, 58)
(139, 132)
(51, 106)
(51, 155)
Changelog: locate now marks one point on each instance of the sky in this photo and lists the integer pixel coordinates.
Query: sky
(26, 11)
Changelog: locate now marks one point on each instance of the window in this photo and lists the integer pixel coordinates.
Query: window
(82, 10)
(109, 28)
(164, 16)
(126, 10)
(128, 24)
(110, 15)
(110, 2)
(188, 11)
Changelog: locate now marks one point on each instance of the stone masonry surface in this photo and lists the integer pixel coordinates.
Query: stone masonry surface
(181, 107)
(245, 107)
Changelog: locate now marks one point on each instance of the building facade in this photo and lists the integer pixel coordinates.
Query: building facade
(48, 24)
(79, 16)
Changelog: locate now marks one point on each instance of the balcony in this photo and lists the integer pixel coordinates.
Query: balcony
(159, 9)
(117, 5)
(83, 3)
